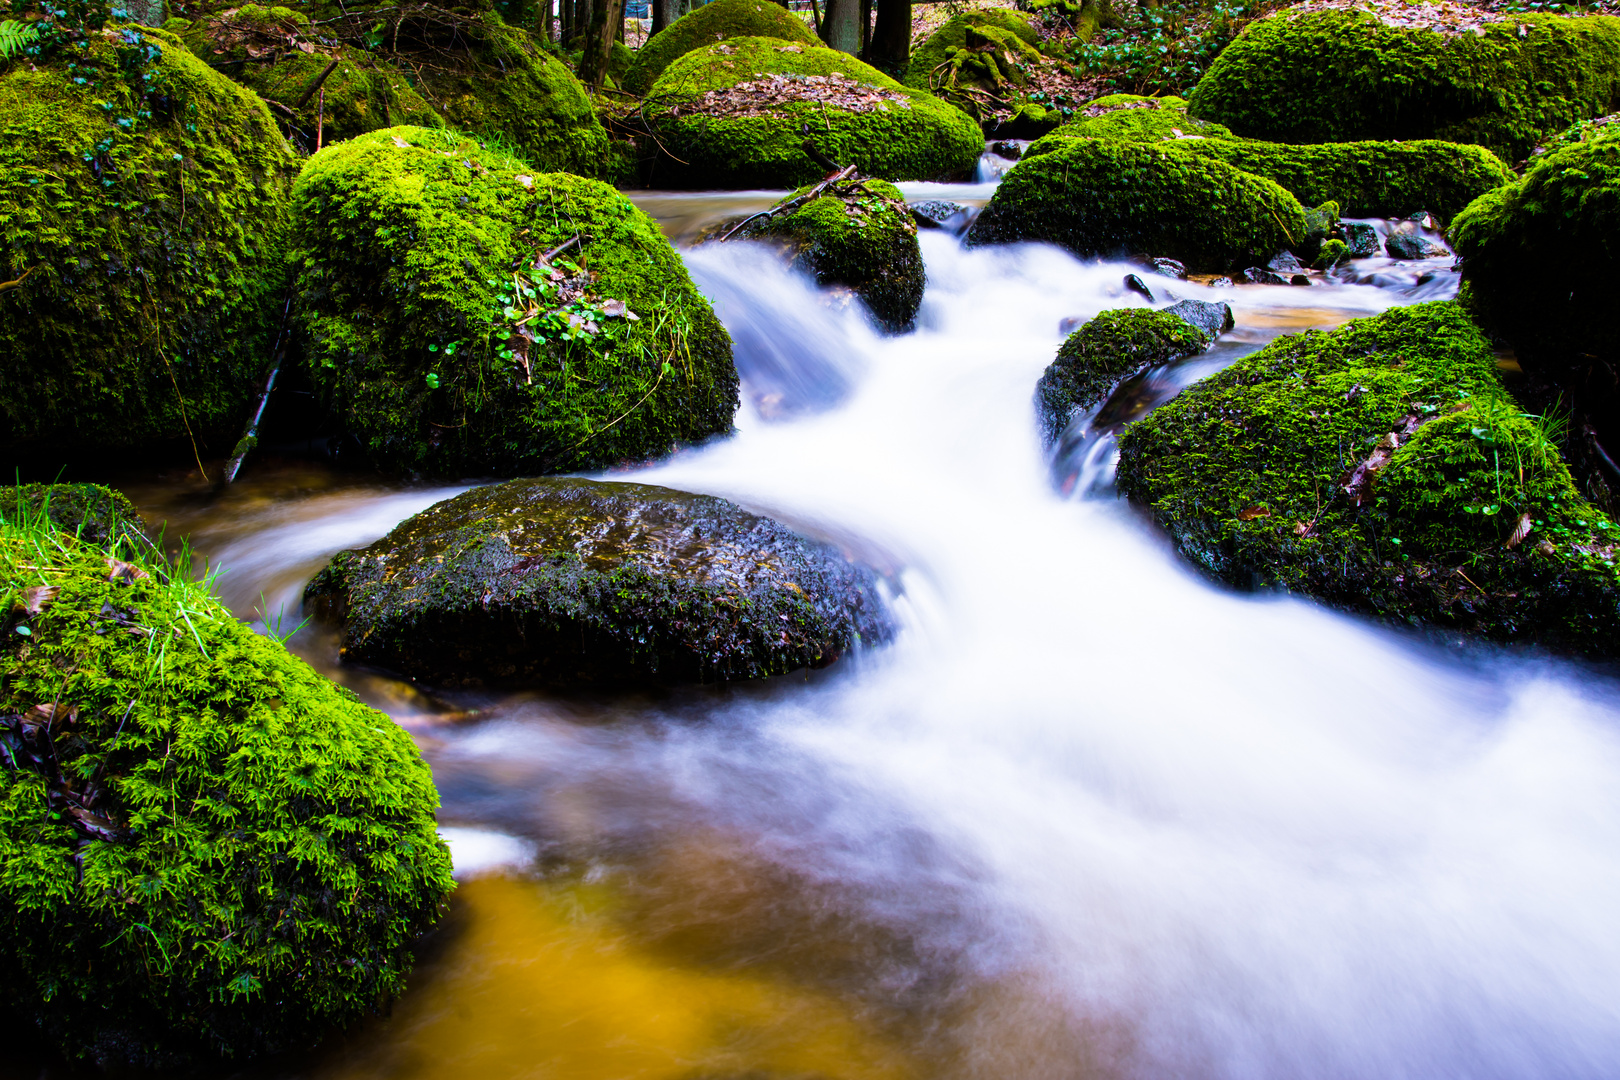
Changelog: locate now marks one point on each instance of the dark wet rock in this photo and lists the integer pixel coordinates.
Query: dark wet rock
(940, 214)
(1008, 149)
(1258, 275)
(1361, 237)
(1365, 467)
(572, 582)
(1407, 243)
(1211, 318)
(1170, 268)
(1113, 347)
(1299, 280)
(1284, 262)
(1221, 282)
(1137, 285)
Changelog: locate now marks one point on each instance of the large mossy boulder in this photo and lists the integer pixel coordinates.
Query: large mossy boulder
(737, 115)
(143, 212)
(858, 234)
(574, 582)
(1383, 468)
(1346, 76)
(207, 849)
(1101, 197)
(95, 514)
(981, 62)
(1131, 118)
(468, 315)
(275, 52)
(710, 24)
(1102, 353)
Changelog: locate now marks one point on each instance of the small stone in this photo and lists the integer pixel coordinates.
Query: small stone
(1407, 243)
(939, 214)
(1361, 238)
(1222, 282)
(1008, 149)
(1284, 263)
(1255, 275)
(1299, 279)
(1212, 318)
(1170, 268)
(1137, 285)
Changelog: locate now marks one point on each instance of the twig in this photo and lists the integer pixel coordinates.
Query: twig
(250, 433)
(559, 249)
(316, 85)
(320, 119)
(7, 286)
(792, 204)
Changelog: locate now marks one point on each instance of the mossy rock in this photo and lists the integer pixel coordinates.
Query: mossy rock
(143, 208)
(708, 25)
(208, 849)
(1102, 197)
(979, 62)
(859, 235)
(409, 243)
(1104, 352)
(1541, 268)
(1382, 468)
(95, 514)
(274, 52)
(1131, 118)
(953, 34)
(1578, 132)
(620, 61)
(568, 582)
(1339, 76)
(746, 139)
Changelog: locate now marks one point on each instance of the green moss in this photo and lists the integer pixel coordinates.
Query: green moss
(1131, 118)
(364, 93)
(1254, 473)
(979, 61)
(147, 207)
(408, 243)
(1103, 198)
(927, 60)
(1579, 132)
(709, 24)
(1105, 351)
(908, 135)
(1336, 76)
(214, 850)
(566, 581)
(95, 514)
(861, 236)
(620, 61)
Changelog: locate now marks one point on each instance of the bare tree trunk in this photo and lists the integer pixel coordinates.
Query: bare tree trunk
(890, 49)
(606, 20)
(841, 25)
(665, 12)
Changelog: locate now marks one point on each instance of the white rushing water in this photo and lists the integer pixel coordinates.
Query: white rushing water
(1207, 835)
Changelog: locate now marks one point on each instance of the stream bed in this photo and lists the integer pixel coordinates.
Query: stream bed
(1089, 816)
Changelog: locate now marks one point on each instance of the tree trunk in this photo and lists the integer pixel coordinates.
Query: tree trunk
(665, 12)
(890, 50)
(606, 20)
(866, 27)
(841, 25)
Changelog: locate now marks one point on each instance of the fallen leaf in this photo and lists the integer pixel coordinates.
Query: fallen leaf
(1249, 513)
(1520, 531)
(123, 571)
(35, 599)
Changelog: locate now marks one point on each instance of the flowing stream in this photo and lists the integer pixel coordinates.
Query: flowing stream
(1090, 816)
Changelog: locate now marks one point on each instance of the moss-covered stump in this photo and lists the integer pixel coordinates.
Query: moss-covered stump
(457, 326)
(1100, 197)
(1340, 76)
(1103, 353)
(980, 61)
(737, 114)
(1382, 468)
(143, 204)
(858, 234)
(1131, 118)
(274, 52)
(708, 25)
(207, 848)
(572, 582)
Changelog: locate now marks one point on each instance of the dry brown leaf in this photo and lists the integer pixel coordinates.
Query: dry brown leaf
(123, 571)
(1520, 531)
(1249, 513)
(35, 599)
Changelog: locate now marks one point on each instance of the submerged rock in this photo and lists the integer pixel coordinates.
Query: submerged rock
(566, 582)
(709, 24)
(466, 315)
(738, 114)
(1103, 353)
(143, 199)
(1341, 76)
(858, 234)
(210, 849)
(1382, 467)
(1103, 198)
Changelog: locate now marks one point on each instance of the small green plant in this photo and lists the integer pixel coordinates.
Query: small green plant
(15, 37)
(1163, 49)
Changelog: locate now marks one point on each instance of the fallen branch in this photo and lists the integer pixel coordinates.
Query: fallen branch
(316, 85)
(250, 434)
(840, 173)
(7, 286)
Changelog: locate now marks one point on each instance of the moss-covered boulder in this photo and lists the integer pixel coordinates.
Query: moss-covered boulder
(95, 514)
(466, 315)
(1101, 354)
(1345, 76)
(981, 62)
(1131, 118)
(737, 114)
(207, 848)
(710, 24)
(275, 52)
(1383, 468)
(565, 581)
(143, 206)
(858, 234)
(1101, 197)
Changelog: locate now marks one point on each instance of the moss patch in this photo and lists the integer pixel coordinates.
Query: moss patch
(1336, 76)
(144, 196)
(439, 343)
(570, 581)
(1100, 355)
(978, 61)
(1382, 467)
(709, 24)
(1103, 197)
(207, 847)
(860, 235)
(862, 118)
(1131, 118)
